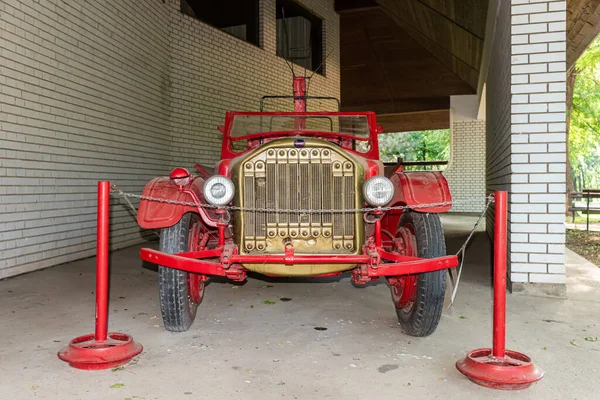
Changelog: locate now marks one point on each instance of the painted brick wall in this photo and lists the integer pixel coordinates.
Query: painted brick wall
(121, 91)
(526, 142)
(466, 170)
(213, 72)
(538, 141)
(84, 97)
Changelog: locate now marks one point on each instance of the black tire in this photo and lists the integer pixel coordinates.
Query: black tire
(423, 316)
(178, 311)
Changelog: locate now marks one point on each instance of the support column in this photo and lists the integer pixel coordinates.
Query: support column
(466, 170)
(537, 146)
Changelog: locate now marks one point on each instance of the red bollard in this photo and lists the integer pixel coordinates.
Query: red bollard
(499, 368)
(102, 350)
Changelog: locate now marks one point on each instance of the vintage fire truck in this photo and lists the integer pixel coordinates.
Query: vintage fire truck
(300, 194)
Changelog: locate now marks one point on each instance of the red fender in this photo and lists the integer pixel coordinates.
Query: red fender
(415, 188)
(154, 214)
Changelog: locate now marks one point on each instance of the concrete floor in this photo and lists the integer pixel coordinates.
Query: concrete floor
(241, 348)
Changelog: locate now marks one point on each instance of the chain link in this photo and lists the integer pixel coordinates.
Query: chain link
(287, 210)
(461, 252)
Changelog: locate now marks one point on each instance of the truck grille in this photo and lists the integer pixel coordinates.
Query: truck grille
(316, 178)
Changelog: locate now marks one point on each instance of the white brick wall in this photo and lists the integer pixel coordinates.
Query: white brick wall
(121, 91)
(213, 72)
(466, 170)
(527, 142)
(538, 134)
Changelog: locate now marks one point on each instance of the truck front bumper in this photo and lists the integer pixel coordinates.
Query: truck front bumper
(224, 261)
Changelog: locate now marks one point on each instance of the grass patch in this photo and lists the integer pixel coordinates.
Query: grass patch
(586, 244)
(582, 219)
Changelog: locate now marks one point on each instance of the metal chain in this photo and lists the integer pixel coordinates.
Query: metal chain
(463, 248)
(460, 253)
(135, 211)
(286, 210)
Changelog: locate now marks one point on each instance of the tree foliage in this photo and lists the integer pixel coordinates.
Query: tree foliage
(584, 129)
(431, 145)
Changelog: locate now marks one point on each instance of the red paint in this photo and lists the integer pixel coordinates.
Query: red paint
(378, 232)
(498, 368)
(500, 217)
(202, 262)
(223, 168)
(404, 248)
(102, 350)
(196, 242)
(179, 173)
(415, 188)
(421, 187)
(155, 215)
(329, 275)
(102, 261)
(299, 100)
(202, 171)
(227, 152)
(373, 169)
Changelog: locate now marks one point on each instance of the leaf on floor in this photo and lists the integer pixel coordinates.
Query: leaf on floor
(269, 302)
(591, 339)
(117, 369)
(462, 317)
(574, 343)
(117, 386)
(142, 313)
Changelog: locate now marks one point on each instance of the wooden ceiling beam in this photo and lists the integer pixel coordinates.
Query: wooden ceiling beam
(583, 25)
(458, 49)
(402, 106)
(471, 15)
(414, 122)
(342, 6)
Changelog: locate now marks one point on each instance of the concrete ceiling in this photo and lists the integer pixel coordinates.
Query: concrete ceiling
(404, 59)
(583, 25)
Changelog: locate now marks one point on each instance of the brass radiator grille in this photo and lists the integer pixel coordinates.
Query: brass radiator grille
(306, 178)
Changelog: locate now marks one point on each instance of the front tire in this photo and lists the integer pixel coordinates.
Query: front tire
(419, 299)
(176, 304)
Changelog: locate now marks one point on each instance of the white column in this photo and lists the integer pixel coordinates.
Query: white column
(538, 145)
(466, 170)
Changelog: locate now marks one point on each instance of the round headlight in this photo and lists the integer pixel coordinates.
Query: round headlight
(378, 191)
(218, 190)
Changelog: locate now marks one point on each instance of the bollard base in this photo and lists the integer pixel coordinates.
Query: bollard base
(515, 371)
(84, 352)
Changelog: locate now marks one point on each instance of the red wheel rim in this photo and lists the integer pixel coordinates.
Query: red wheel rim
(195, 281)
(404, 288)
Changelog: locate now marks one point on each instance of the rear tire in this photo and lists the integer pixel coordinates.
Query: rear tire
(421, 315)
(178, 310)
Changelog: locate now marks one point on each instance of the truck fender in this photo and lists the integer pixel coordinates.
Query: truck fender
(413, 188)
(155, 214)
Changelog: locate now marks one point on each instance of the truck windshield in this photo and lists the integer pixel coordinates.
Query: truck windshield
(352, 125)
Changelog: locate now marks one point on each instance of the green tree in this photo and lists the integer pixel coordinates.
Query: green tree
(584, 126)
(431, 145)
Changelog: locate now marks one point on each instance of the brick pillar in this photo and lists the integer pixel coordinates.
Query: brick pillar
(538, 146)
(466, 170)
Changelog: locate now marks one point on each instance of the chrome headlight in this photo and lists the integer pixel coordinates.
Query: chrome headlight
(218, 190)
(378, 191)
